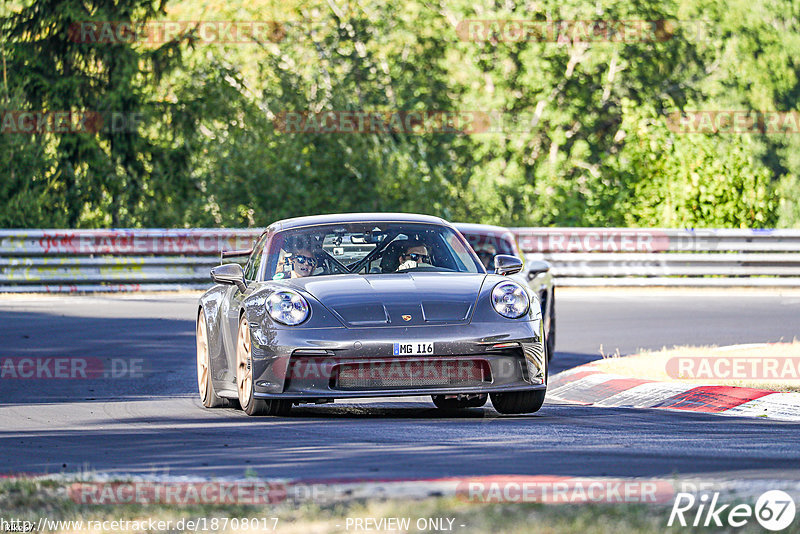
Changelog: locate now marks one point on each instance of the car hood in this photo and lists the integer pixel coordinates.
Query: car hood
(398, 299)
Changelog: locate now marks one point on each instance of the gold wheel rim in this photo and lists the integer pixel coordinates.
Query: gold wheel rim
(244, 376)
(202, 357)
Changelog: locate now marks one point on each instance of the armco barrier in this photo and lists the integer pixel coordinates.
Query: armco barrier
(666, 257)
(153, 259)
(113, 260)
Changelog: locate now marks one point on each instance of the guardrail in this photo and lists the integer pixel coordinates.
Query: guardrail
(158, 259)
(666, 257)
(59, 261)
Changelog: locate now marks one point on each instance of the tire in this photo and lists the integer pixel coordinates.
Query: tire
(244, 378)
(452, 405)
(208, 396)
(518, 402)
(551, 330)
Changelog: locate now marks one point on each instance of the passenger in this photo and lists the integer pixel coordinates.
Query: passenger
(303, 262)
(415, 255)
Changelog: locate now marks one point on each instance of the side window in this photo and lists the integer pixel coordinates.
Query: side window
(251, 269)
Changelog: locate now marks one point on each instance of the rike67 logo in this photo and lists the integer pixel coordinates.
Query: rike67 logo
(774, 510)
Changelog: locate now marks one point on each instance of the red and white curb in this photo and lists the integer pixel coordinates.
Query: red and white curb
(589, 386)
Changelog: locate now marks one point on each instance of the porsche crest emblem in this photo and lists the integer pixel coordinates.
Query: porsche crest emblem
(406, 317)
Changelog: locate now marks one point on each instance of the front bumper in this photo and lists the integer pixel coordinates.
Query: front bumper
(312, 364)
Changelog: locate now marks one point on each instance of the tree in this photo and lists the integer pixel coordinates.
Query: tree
(103, 170)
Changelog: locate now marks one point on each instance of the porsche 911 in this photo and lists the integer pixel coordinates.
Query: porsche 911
(368, 305)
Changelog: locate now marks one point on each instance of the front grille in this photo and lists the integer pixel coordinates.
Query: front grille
(396, 374)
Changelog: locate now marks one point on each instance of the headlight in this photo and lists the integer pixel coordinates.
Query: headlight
(510, 300)
(287, 307)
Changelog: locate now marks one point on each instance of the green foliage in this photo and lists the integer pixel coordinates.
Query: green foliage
(689, 181)
(27, 194)
(104, 174)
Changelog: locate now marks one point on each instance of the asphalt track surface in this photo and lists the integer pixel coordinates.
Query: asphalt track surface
(155, 424)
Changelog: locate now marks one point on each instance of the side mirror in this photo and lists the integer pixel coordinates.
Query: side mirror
(537, 267)
(230, 273)
(505, 264)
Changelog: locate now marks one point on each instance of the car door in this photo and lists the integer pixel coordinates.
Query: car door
(233, 300)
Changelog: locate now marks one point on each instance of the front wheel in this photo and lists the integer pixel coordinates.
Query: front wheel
(244, 379)
(517, 402)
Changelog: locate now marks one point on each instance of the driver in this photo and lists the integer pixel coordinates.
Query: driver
(415, 255)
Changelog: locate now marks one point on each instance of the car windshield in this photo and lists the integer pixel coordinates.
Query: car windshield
(368, 248)
(489, 243)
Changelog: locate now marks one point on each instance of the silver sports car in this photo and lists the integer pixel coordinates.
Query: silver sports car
(369, 305)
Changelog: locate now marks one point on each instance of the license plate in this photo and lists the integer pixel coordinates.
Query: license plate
(413, 349)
